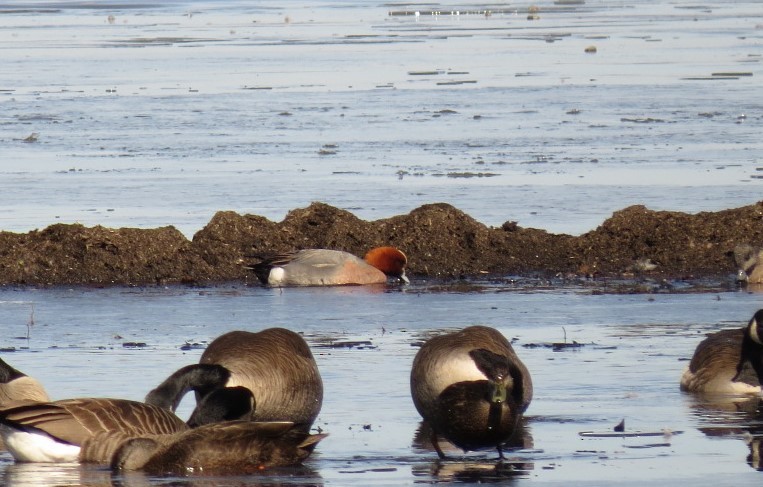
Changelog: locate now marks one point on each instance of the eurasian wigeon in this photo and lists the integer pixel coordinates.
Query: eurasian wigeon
(728, 361)
(275, 364)
(471, 388)
(323, 267)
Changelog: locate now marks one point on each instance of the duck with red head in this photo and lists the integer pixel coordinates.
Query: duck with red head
(324, 267)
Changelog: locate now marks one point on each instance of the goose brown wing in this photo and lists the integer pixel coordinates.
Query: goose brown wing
(130, 417)
(75, 420)
(49, 418)
(100, 447)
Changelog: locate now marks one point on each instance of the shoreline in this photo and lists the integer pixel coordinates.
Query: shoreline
(440, 240)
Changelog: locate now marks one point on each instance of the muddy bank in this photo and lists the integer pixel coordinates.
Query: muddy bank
(440, 240)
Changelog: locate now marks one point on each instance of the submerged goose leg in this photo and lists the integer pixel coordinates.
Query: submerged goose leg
(436, 444)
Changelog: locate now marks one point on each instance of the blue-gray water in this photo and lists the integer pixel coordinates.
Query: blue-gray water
(150, 115)
(634, 353)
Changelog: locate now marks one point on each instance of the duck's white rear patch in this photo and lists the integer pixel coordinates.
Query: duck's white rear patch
(36, 447)
(276, 276)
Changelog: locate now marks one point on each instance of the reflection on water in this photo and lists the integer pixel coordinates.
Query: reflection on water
(364, 342)
(45, 475)
(522, 439)
(42, 474)
(479, 467)
(731, 416)
(473, 471)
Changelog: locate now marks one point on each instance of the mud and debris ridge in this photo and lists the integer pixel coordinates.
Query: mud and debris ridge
(440, 241)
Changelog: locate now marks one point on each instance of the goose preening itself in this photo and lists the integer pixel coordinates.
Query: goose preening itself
(275, 364)
(728, 361)
(55, 431)
(17, 386)
(471, 388)
(323, 267)
(241, 447)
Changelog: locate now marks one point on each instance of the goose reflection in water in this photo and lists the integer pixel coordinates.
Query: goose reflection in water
(732, 417)
(473, 467)
(44, 474)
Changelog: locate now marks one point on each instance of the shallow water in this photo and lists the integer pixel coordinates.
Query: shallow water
(163, 115)
(174, 111)
(635, 347)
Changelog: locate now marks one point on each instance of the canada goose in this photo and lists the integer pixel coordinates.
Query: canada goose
(323, 267)
(275, 364)
(728, 361)
(242, 447)
(17, 386)
(55, 431)
(471, 388)
(749, 261)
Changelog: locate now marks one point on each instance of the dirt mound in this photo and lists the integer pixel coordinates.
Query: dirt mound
(440, 241)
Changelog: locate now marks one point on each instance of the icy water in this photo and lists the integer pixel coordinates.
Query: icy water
(160, 113)
(634, 350)
(148, 113)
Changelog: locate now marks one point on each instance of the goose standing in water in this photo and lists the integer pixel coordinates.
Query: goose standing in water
(471, 388)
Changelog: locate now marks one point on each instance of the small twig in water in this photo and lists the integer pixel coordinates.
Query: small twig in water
(565, 335)
(30, 324)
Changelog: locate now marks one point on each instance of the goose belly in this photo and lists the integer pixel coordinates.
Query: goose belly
(35, 447)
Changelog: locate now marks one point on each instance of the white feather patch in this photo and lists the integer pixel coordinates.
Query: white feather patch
(753, 327)
(34, 447)
(276, 276)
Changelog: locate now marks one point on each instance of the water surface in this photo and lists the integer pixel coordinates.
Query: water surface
(635, 348)
(148, 115)
(145, 113)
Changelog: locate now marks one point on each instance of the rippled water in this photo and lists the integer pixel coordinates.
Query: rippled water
(635, 347)
(161, 113)
(166, 112)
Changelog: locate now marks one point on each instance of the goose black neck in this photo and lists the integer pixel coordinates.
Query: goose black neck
(202, 378)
